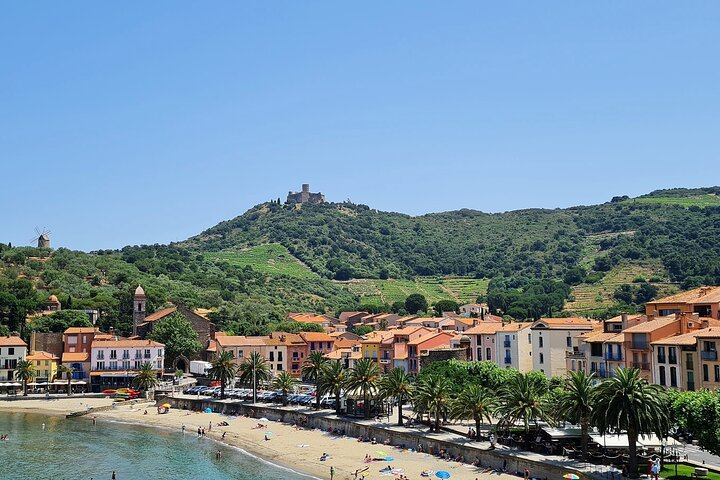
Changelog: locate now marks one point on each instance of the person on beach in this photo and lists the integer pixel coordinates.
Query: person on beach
(218, 454)
(223, 435)
(527, 474)
(266, 438)
(183, 428)
(94, 419)
(210, 426)
(332, 472)
(113, 475)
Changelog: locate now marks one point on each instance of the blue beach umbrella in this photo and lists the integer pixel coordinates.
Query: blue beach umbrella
(442, 474)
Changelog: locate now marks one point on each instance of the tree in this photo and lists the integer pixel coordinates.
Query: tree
(24, 370)
(58, 322)
(624, 294)
(146, 378)
(698, 413)
(253, 370)
(295, 327)
(177, 334)
(363, 378)
(432, 395)
(223, 370)
(628, 403)
(474, 402)
(68, 371)
(576, 403)
(415, 303)
(332, 380)
(397, 385)
(445, 306)
(311, 370)
(522, 399)
(645, 293)
(284, 382)
(362, 330)
(575, 275)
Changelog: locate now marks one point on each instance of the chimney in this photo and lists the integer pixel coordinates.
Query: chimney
(624, 317)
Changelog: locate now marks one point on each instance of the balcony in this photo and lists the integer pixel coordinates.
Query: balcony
(506, 344)
(613, 357)
(709, 355)
(508, 360)
(641, 365)
(640, 345)
(575, 354)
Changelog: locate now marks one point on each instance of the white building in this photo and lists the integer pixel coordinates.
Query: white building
(552, 341)
(513, 343)
(12, 350)
(117, 361)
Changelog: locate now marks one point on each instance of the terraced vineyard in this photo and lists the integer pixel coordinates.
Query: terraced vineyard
(600, 295)
(460, 289)
(707, 200)
(273, 258)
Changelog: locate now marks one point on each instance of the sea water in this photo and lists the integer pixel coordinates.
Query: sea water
(54, 448)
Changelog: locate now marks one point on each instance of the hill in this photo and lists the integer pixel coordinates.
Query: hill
(278, 258)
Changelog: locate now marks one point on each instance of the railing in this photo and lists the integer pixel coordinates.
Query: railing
(709, 355)
(613, 357)
(639, 345)
(641, 365)
(508, 360)
(506, 344)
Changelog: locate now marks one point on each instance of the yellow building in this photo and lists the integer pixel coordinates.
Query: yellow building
(46, 366)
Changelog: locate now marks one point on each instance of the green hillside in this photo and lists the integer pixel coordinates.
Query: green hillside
(273, 259)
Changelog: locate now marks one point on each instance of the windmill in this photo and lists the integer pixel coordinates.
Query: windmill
(42, 237)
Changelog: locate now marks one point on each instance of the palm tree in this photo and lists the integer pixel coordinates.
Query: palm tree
(432, 395)
(576, 403)
(397, 385)
(474, 402)
(311, 371)
(68, 371)
(24, 370)
(628, 403)
(253, 370)
(146, 377)
(522, 399)
(363, 378)
(223, 369)
(332, 380)
(285, 383)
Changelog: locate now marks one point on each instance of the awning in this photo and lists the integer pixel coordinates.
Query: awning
(621, 441)
(79, 382)
(568, 432)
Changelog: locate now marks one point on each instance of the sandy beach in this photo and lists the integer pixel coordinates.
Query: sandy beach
(299, 449)
(54, 406)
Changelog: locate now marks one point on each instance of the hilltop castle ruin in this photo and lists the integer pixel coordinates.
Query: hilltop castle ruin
(305, 196)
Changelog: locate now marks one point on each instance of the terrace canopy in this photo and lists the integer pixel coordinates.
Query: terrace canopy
(621, 441)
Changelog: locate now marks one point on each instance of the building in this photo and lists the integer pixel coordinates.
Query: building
(704, 301)
(318, 342)
(305, 196)
(45, 364)
(482, 341)
(116, 361)
(12, 350)
(708, 341)
(552, 339)
(419, 346)
(513, 344)
(53, 304)
(77, 343)
(474, 309)
(675, 362)
(297, 349)
(139, 306)
(379, 346)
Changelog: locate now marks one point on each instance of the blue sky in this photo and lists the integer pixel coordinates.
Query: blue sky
(147, 122)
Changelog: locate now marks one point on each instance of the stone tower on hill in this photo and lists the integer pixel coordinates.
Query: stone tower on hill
(139, 301)
(305, 196)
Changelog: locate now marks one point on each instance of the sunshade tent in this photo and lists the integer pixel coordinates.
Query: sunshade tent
(559, 433)
(621, 441)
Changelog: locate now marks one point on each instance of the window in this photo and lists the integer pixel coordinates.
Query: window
(672, 355)
(84, 339)
(673, 376)
(717, 373)
(487, 354)
(295, 355)
(101, 355)
(479, 354)
(540, 342)
(568, 341)
(113, 365)
(100, 365)
(279, 367)
(661, 354)
(312, 345)
(542, 358)
(113, 354)
(126, 353)
(147, 353)
(72, 340)
(272, 356)
(328, 346)
(126, 364)
(529, 338)
(706, 376)
(138, 354)
(280, 357)
(662, 376)
(138, 364)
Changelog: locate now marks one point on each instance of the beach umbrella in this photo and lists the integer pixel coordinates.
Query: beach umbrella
(268, 433)
(571, 476)
(166, 405)
(263, 419)
(389, 459)
(208, 410)
(381, 453)
(442, 474)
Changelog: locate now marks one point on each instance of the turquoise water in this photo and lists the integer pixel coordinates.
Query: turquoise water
(75, 449)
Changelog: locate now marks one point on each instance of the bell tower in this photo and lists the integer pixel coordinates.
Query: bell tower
(139, 301)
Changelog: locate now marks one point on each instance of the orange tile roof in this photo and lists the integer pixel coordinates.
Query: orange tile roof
(711, 332)
(162, 313)
(125, 343)
(618, 319)
(619, 338)
(694, 296)
(565, 323)
(10, 341)
(425, 338)
(465, 321)
(515, 326)
(287, 338)
(652, 325)
(685, 339)
(40, 355)
(75, 357)
(484, 329)
(594, 337)
(346, 342)
(409, 330)
(82, 330)
(489, 317)
(240, 341)
(316, 337)
(102, 336)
